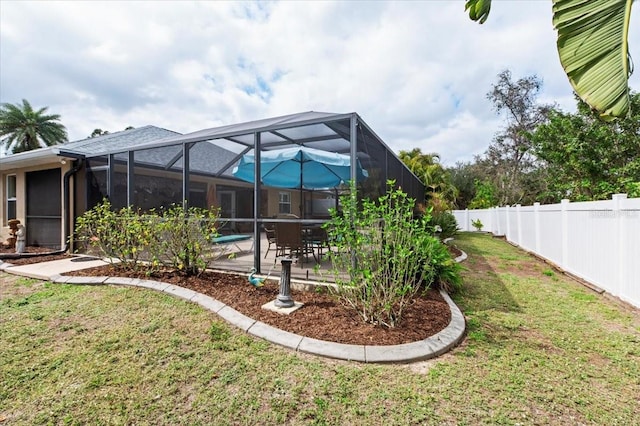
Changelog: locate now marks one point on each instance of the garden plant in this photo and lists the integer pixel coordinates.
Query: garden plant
(388, 254)
(120, 236)
(443, 224)
(177, 238)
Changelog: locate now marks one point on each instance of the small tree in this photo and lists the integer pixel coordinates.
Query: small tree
(485, 195)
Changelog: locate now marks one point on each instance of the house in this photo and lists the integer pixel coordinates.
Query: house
(151, 167)
(43, 188)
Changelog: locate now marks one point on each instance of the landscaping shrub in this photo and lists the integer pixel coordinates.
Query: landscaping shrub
(175, 238)
(389, 255)
(477, 223)
(181, 239)
(121, 235)
(443, 224)
(446, 271)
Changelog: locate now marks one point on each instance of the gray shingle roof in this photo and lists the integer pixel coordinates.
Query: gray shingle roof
(116, 142)
(204, 157)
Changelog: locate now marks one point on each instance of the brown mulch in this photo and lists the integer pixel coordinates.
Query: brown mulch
(322, 316)
(455, 251)
(32, 254)
(5, 249)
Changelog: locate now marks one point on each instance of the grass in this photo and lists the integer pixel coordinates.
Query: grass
(541, 349)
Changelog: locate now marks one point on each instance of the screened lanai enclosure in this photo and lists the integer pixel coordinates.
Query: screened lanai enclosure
(198, 168)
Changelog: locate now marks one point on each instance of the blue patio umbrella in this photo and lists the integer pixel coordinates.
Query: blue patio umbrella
(299, 167)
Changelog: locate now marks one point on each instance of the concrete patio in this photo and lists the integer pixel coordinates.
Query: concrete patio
(239, 257)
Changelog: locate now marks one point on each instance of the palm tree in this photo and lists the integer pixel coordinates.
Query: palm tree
(435, 178)
(23, 129)
(593, 49)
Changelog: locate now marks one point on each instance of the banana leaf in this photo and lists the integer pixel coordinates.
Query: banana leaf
(593, 49)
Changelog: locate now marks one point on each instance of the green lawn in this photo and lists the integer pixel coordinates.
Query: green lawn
(541, 349)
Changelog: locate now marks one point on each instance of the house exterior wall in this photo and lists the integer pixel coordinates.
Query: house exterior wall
(4, 229)
(21, 195)
(273, 204)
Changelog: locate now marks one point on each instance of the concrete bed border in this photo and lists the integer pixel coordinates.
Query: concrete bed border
(430, 347)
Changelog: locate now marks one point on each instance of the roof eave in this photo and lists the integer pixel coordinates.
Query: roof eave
(34, 157)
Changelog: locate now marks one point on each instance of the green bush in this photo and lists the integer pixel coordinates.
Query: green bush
(120, 236)
(446, 270)
(181, 239)
(175, 238)
(389, 255)
(443, 224)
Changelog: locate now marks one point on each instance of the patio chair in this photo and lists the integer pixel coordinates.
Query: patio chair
(289, 239)
(318, 241)
(270, 232)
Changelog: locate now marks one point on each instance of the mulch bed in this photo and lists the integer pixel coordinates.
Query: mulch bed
(455, 251)
(32, 254)
(4, 249)
(322, 316)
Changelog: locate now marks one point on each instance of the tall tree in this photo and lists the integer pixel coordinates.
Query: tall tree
(23, 129)
(592, 46)
(587, 158)
(508, 162)
(464, 177)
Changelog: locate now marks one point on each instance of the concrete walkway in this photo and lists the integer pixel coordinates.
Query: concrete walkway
(431, 347)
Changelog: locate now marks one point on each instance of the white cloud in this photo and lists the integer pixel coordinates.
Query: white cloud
(417, 72)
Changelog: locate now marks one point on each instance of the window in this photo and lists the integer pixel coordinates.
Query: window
(11, 197)
(284, 202)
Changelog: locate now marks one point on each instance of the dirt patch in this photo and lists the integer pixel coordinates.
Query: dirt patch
(322, 316)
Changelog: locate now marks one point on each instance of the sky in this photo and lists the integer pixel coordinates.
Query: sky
(417, 72)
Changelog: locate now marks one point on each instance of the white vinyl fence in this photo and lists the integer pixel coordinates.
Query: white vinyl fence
(598, 241)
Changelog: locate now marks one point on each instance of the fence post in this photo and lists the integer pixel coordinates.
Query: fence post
(466, 220)
(490, 224)
(519, 222)
(507, 214)
(494, 219)
(564, 207)
(621, 243)
(536, 222)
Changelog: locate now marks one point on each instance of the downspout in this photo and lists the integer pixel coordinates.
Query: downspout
(67, 203)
